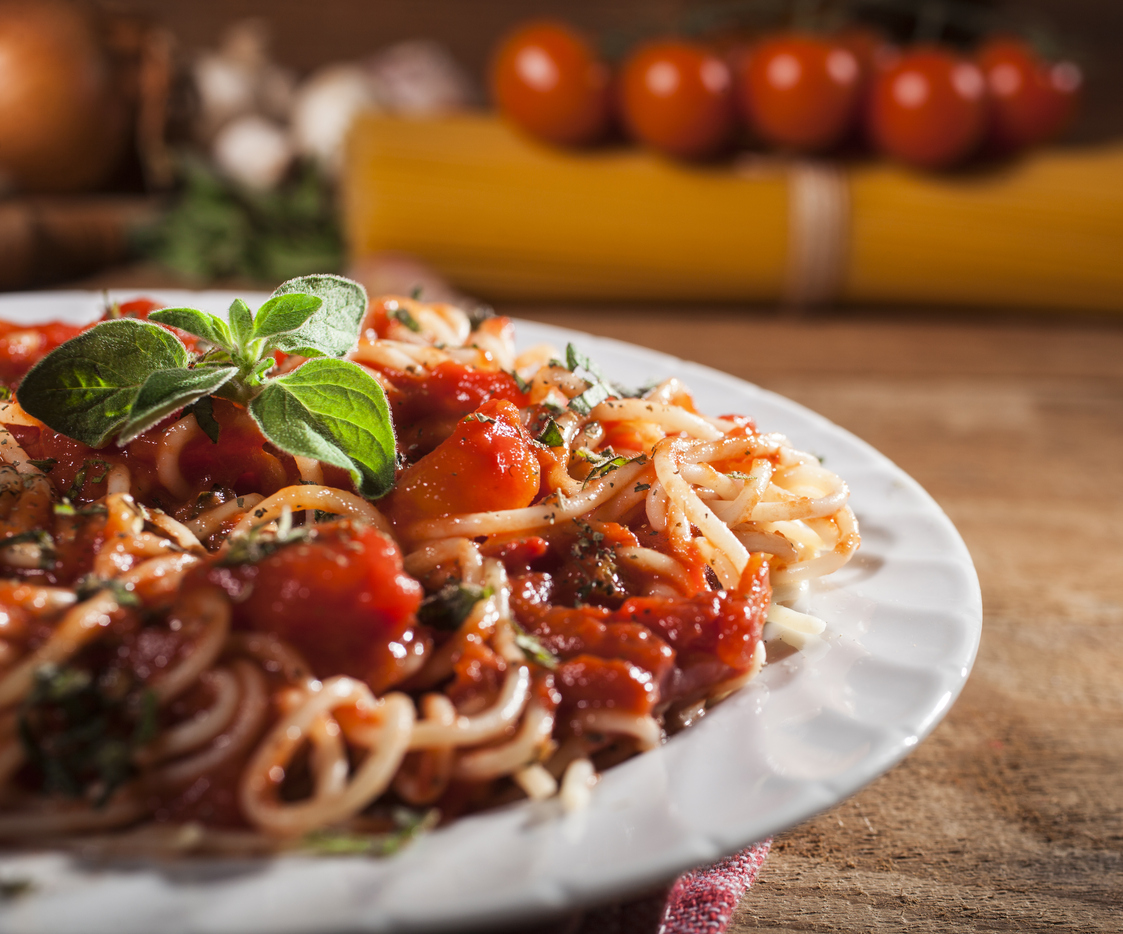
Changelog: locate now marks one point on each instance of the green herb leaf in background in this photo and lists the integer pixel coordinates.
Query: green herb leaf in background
(218, 229)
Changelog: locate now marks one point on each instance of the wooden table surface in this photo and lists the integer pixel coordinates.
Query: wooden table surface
(1010, 816)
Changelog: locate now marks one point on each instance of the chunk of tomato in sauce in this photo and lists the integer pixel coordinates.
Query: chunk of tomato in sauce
(427, 405)
(589, 682)
(488, 462)
(21, 346)
(241, 459)
(341, 598)
(722, 624)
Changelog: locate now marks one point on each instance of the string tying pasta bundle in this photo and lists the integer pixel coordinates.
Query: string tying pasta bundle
(599, 582)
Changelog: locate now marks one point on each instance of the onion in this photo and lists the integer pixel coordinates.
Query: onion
(62, 125)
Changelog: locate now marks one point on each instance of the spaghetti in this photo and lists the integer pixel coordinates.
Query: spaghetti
(212, 645)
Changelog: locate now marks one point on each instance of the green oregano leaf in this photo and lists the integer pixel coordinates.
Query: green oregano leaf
(203, 410)
(122, 377)
(334, 411)
(284, 313)
(86, 387)
(333, 329)
(241, 322)
(168, 391)
(210, 328)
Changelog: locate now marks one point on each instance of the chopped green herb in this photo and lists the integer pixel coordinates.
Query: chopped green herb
(45, 464)
(409, 826)
(533, 647)
(584, 403)
(123, 593)
(521, 383)
(67, 508)
(575, 360)
(261, 541)
(451, 605)
(83, 475)
(640, 487)
(397, 313)
(599, 388)
(80, 732)
(39, 537)
(552, 435)
(603, 462)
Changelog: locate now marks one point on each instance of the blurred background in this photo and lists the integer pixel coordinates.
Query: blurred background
(420, 143)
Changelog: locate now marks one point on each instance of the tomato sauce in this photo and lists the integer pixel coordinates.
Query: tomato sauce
(22, 346)
(338, 595)
(338, 592)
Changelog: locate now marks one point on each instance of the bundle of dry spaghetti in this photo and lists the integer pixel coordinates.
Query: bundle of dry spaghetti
(507, 218)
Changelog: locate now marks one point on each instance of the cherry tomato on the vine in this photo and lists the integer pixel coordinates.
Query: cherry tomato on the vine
(928, 109)
(548, 80)
(868, 46)
(677, 97)
(1032, 101)
(799, 91)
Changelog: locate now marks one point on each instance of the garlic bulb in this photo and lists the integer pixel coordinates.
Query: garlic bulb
(325, 105)
(253, 151)
(240, 78)
(420, 78)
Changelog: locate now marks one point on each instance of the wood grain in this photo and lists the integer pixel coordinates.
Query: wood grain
(1010, 816)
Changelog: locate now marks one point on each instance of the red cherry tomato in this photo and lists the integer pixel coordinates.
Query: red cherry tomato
(548, 80)
(677, 97)
(799, 91)
(868, 46)
(487, 463)
(1032, 101)
(928, 109)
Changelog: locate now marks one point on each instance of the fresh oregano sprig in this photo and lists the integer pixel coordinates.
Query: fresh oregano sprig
(122, 377)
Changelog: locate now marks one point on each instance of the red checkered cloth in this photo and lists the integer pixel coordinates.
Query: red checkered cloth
(701, 901)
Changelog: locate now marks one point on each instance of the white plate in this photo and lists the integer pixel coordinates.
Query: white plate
(904, 621)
